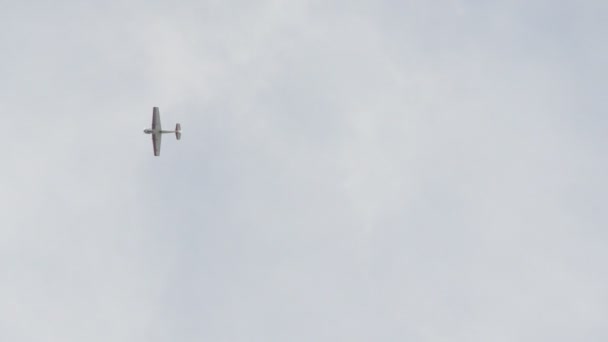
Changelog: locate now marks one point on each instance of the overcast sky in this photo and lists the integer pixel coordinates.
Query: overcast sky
(348, 171)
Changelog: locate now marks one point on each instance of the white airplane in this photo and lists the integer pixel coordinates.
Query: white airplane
(157, 131)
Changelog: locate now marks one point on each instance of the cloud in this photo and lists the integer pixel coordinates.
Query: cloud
(370, 171)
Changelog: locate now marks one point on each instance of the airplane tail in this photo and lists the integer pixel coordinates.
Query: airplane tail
(178, 131)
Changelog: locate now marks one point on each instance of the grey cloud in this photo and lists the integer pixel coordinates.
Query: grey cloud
(370, 171)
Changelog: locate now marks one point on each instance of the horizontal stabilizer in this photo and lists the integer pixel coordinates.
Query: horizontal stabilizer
(178, 131)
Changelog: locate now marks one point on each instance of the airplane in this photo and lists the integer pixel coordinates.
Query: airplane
(157, 131)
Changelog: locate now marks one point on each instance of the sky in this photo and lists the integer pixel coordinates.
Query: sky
(348, 171)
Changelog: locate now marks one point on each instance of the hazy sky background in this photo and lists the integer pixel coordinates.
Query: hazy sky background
(349, 171)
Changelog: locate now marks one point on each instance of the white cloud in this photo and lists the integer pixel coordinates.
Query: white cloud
(365, 171)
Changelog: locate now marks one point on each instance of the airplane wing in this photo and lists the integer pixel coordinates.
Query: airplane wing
(156, 139)
(156, 119)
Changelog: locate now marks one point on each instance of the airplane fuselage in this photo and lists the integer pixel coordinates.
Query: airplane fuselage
(151, 131)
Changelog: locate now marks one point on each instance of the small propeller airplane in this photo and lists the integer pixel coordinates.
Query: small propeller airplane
(157, 131)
